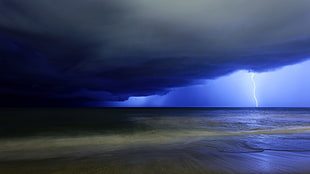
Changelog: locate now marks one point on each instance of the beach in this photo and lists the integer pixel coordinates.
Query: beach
(174, 140)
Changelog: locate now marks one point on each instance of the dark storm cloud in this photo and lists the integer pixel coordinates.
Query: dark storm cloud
(72, 52)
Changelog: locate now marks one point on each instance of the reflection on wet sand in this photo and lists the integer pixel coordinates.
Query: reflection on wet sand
(175, 160)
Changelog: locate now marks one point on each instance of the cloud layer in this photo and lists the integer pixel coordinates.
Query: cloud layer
(76, 52)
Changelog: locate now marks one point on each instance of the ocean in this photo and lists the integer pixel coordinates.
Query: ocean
(154, 140)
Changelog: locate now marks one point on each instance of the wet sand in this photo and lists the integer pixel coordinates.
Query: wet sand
(178, 161)
(245, 153)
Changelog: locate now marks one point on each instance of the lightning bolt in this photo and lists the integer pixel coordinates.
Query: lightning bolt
(254, 89)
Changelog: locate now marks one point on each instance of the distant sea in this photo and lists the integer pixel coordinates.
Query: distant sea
(154, 140)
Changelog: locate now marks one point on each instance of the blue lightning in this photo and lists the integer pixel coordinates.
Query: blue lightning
(254, 89)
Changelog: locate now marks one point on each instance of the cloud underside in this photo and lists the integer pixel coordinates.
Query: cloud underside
(75, 52)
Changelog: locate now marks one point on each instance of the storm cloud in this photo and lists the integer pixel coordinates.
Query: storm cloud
(77, 52)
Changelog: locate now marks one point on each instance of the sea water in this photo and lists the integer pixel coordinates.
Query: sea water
(155, 140)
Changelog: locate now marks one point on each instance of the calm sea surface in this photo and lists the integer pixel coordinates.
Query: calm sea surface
(155, 140)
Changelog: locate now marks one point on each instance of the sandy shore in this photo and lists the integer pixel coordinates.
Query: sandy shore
(204, 153)
(173, 161)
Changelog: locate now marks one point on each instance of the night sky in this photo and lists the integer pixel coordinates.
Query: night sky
(154, 53)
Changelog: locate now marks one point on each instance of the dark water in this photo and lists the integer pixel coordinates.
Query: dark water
(155, 140)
